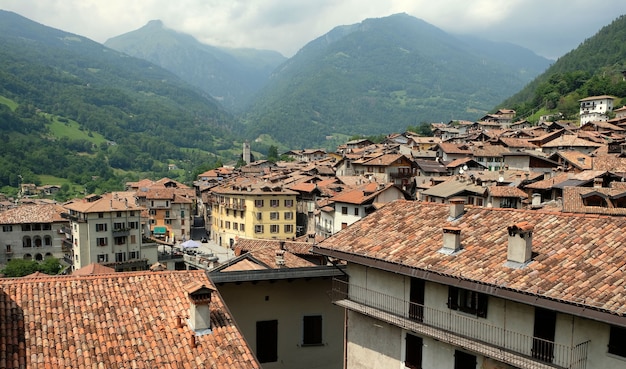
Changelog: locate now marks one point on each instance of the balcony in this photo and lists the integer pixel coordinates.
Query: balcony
(121, 232)
(67, 245)
(475, 334)
(233, 206)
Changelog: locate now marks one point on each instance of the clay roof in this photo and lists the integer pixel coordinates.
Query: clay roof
(265, 252)
(116, 201)
(570, 141)
(578, 258)
(93, 269)
(573, 200)
(451, 148)
(123, 320)
(576, 158)
(33, 213)
(506, 191)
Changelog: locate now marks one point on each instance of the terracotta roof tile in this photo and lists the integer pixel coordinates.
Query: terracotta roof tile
(410, 234)
(33, 213)
(123, 320)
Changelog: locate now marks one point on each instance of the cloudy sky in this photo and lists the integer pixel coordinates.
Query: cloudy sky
(550, 28)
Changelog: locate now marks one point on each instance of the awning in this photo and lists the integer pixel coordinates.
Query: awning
(159, 230)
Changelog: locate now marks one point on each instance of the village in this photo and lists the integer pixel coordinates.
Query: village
(493, 244)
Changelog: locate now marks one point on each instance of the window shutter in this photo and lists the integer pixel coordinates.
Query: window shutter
(481, 310)
(453, 298)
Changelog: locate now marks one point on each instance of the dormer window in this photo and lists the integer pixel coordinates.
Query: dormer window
(594, 199)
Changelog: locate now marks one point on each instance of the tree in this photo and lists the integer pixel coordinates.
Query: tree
(272, 154)
(21, 267)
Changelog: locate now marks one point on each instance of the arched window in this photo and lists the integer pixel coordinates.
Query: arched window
(619, 201)
(594, 199)
(48, 255)
(47, 241)
(27, 242)
(28, 257)
(38, 257)
(37, 241)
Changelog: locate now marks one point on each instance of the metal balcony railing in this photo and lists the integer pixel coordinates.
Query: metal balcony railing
(514, 348)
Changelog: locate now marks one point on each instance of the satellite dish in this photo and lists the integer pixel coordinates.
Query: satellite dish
(465, 167)
(500, 179)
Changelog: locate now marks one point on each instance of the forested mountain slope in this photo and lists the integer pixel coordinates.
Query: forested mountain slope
(382, 75)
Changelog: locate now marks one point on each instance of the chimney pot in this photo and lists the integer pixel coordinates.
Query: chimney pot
(457, 208)
(451, 239)
(199, 306)
(520, 242)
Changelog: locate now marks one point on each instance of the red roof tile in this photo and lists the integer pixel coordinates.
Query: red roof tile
(123, 320)
(410, 234)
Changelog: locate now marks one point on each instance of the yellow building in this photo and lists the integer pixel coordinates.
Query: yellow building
(252, 210)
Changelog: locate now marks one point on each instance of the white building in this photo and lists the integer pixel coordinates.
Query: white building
(595, 108)
(33, 232)
(436, 286)
(107, 229)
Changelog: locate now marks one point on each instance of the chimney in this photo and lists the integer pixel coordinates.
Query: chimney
(280, 257)
(457, 208)
(199, 307)
(520, 243)
(536, 200)
(597, 182)
(451, 240)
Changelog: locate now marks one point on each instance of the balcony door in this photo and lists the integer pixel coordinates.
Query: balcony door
(416, 306)
(544, 331)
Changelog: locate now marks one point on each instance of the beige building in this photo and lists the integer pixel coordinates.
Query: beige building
(107, 229)
(446, 286)
(252, 208)
(33, 232)
(279, 300)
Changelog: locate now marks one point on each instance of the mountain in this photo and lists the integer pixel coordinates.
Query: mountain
(595, 67)
(231, 76)
(71, 107)
(382, 75)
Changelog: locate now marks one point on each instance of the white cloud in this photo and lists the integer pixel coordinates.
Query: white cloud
(550, 28)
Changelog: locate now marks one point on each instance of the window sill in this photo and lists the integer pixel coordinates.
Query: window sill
(312, 344)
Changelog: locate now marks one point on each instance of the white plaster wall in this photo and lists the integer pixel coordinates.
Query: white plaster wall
(372, 343)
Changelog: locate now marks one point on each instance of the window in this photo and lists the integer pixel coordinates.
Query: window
(258, 228)
(235, 226)
(259, 216)
(27, 242)
(463, 360)
(120, 240)
(414, 345)
(470, 302)
(7, 228)
(119, 214)
(344, 210)
(182, 213)
(103, 258)
(117, 226)
(267, 341)
(312, 330)
(100, 215)
(101, 241)
(47, 241)
(133, 254)
(46, 227)
(120, 257)
(344, 225)
(167, 213)
(288, 203)
(258, 203)
(132, 213)
(133, 239)
(617, 337)
(274, 215)
(227, 225)
(274, 203)
(288, 215)
(36, 227)
(25, 227)
(133, 225)
(288, 228)
(356, 211)
(152, 212)
(242, 227)
(508, 202)
(274, 228)
(101, 227)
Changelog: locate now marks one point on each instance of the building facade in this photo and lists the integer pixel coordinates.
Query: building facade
(434, 286)
(107, 230)
(33, 232)
(260, 210)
